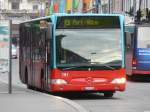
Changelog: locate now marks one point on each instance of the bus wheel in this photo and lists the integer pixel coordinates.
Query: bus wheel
(108, 94)
(26, 78)
(42, 79)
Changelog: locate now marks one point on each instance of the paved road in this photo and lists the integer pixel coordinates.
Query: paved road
(15, 72)
(24, 100)
(136, 98)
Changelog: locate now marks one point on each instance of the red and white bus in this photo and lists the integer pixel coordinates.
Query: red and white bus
(73, 53)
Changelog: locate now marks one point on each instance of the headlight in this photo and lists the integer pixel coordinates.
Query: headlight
(58, 81)
(119, 81)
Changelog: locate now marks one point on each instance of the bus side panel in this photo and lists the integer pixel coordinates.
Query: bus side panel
(141, 52)
(22, 55)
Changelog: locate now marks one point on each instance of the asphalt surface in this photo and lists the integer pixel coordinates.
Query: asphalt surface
(25, 100)
(136, 98)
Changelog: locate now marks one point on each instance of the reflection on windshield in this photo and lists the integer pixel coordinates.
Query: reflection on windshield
(89, 46)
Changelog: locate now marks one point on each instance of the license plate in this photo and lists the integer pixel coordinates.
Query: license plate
(89, 88)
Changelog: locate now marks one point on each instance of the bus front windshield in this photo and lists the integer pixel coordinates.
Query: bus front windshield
(88, 46)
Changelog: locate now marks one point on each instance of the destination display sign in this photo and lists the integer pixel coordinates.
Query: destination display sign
(87, 22)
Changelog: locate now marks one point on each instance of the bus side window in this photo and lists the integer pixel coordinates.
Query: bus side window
(49, 44)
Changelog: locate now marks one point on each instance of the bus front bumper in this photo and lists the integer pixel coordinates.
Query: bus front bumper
(102, 87)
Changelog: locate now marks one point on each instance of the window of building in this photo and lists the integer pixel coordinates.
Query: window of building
(35, 7)
(47, 4)
(15, 5)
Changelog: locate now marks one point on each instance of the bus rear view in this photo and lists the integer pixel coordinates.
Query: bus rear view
(143, 49)
(89, 54)
(138, 61)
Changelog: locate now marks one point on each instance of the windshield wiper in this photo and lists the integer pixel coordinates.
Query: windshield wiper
(108, 66)
(93, 64)
(105, 65)
(72, 67)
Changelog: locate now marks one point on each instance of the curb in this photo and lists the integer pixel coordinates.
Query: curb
(6, 82)
(74, 105)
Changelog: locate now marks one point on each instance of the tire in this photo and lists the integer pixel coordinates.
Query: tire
(29, 87)
(26, 76)
(26, 79)
(108, 94)
(42, 80)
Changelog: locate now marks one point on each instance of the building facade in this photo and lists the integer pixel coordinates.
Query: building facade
(123, 6)
(19, 11)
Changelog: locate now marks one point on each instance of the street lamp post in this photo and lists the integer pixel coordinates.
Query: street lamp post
(97, 5)
(146, 3)
(108, 6)
(134, 6)
(122, 5)
(10, 62)
(41, 9)
(41, 2)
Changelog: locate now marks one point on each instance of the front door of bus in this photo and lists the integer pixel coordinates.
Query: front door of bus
(129, 46)
(43, 68)
(48, 56)
(46, 36)
(38, 57)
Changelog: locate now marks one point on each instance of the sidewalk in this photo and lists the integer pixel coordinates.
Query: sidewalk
(24, 100)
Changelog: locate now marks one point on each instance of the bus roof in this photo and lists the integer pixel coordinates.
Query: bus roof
(41, 18)
(65, 14)
(85, 14)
